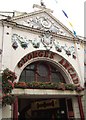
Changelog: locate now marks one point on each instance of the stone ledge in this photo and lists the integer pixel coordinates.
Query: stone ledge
(44, 92)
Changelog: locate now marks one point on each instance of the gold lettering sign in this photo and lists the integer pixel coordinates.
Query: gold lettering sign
(45, 104)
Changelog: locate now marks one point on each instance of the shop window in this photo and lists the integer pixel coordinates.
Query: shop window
(41, 71)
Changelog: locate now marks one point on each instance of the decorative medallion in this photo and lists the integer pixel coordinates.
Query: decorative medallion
(45, 23)
(47, 40)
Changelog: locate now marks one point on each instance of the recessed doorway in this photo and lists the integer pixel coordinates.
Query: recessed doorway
(41, 109)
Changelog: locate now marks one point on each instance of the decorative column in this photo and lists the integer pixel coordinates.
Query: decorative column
(15, 109)
(80, 108)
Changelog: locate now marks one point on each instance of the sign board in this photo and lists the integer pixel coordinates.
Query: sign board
(45, 104)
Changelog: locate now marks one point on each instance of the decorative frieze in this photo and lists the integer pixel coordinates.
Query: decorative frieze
(47, 41)
(43, 23)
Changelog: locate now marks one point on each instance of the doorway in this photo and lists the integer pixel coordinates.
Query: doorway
(41, 109)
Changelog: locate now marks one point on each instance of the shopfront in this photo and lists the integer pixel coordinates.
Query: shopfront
(39, 101)
(43, 108)
(45, 57)
(50, 109)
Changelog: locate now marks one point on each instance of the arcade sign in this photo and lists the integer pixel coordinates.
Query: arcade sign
(70, 70)
(48, 54)
(35, 54)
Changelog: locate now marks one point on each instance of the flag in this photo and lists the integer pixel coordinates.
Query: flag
(70, 24)
(65, 13)
(74, 32)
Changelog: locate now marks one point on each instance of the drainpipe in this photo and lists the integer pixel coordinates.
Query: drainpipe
(1, 52)
(80, 108)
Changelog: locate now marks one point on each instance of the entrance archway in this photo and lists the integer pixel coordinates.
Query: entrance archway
(64, 66)
(43, 71)
(45, 67)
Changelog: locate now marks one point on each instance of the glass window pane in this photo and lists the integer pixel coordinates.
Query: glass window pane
(22, 77)
(42, 70)
(55, 77)
(29, 76)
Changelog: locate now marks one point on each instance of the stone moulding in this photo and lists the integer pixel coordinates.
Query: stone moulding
(44, 92)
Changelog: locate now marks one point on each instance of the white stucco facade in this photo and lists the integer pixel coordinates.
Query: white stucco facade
(41, 34)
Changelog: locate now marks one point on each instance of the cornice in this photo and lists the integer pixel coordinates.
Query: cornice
(43, 11)
(27, 15)
(35, 30)
(7, 22)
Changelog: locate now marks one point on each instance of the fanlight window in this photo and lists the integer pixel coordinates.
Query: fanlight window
(41, 71)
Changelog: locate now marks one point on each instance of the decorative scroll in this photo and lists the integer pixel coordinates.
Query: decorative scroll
(24, 42)
(57, 46)
(43, 23)
(69, 50)
(16, 40)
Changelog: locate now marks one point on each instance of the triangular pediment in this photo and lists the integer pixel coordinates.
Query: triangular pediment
(43, 20)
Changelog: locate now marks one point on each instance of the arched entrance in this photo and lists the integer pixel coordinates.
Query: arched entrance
(45, 66)
(63, 65)
(38, 107)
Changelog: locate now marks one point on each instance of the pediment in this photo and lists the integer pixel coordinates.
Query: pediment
(43, 20)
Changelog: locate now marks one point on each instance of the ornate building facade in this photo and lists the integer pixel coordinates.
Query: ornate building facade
(48, 62)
